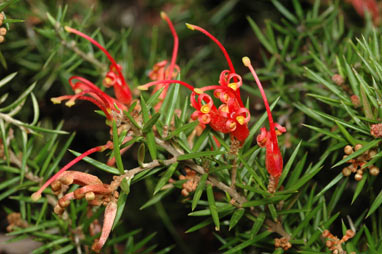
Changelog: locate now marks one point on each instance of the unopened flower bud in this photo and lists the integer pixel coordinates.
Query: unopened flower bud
(58, 210)
(346, 171)
(357, 147)
(348, 150)
(90, 196)
(358, 177)
(338, 79)
(56, 186)
(3, 31)
(374, 171)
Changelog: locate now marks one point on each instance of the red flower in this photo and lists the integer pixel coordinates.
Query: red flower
(268, 139)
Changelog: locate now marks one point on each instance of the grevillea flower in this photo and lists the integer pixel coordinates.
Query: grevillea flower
(268, 139)
(231, 116)
(162, 70)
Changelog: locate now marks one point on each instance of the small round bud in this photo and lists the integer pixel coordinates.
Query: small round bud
(58, 210)
(374, 171)
(56, 186)
(90, 196)
(3, 31)
(63, 202)
(358, 177)
(1, 39)
(357, 147)
(348, 150)
(372, 153)
(346, 171)
(329, 243)
(360, 171)
(66, 180)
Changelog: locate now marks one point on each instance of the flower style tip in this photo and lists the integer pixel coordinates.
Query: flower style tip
(189, 26)
(163, 15)
(246, 61)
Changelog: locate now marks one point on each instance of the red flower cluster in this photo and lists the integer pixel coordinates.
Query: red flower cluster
(231, 116)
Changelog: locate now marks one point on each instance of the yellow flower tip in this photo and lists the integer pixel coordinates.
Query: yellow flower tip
(233, 86)
(163, 15)
(68, 29)
(240, 120)
(70, 103)
(246, 61)
(55, 100)
(142, 88)
(189, 26)
(198, 91)
(35, 196)
(232, 126)
(108, 81)
(205, 109)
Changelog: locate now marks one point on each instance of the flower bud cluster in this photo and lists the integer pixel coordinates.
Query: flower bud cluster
(283, 243)
(358, 163)
(191, 183)
(334, 244)
(3, 30)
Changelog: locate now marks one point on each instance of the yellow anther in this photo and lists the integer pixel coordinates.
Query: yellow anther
(240, 119)
(70, 103)
(55, 100)
(189, 26)
(108, 81)
(233, 86)
(232, 126)
(225, 97)
(205, 109)
(163, 15)
(246, 61)
(78, 90)
(198, 91)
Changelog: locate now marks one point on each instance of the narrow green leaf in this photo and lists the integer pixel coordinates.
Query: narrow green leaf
(116, 151)
(288, 166)
(141, 154)
(260, 36)
(199, 191)
(375, 205)
(150, 123)
(212, 205)
(236, 216)
(164, 179)
(184, 128)
(150, 138)
(199, 155)
(155, 199)
(19, 99)
(284, 11)
(249, 242)
(359, 187)
(8, 78)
